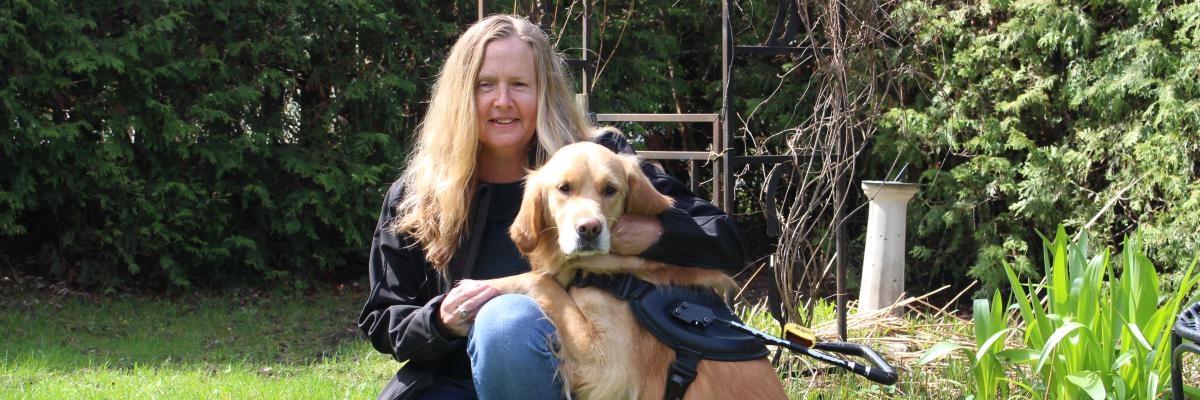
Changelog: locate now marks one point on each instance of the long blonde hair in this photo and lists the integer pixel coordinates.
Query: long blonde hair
(439, 180)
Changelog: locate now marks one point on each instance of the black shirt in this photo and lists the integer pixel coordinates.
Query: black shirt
(498, 256)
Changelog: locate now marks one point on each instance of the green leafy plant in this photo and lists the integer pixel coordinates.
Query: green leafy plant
(991, 327)
(1081, 335)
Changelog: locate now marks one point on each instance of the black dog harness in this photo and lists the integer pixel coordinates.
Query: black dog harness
(658, 309)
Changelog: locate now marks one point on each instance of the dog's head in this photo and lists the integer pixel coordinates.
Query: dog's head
(571, 203)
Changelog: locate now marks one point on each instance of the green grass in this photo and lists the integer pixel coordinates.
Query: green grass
(253, 345)
(237, 346)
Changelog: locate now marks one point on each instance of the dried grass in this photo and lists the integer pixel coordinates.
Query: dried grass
(901, 334)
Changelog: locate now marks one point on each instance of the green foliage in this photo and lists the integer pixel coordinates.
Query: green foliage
(1082, 336)
(189, 143)
(1026, 113)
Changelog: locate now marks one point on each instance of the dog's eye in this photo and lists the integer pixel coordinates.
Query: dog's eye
(610, 190)
(564, 188)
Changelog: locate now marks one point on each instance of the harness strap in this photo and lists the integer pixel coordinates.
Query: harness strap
(681, 374)
(622, 286)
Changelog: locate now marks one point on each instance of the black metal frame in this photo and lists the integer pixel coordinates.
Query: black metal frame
(1176, 368)
(783, 31)
(1187, 326)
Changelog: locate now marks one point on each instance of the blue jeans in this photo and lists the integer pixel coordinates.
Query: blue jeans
(511, 347)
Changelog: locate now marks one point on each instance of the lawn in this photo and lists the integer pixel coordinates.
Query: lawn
(237, 345)
(251, 344)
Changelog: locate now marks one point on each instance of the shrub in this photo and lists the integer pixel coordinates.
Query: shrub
(1030, 113)
(176, 143)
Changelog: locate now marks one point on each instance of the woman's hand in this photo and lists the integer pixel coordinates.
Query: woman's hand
(633, 234)
(462, 303)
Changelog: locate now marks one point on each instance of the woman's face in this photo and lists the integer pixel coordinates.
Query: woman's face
(506, 98)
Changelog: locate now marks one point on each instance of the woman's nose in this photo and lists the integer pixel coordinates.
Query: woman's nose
(503, 99)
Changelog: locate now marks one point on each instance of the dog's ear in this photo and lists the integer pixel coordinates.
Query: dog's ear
(531, 218)
(643, 198)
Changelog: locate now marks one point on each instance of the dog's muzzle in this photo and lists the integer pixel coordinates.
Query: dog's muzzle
(589, 236)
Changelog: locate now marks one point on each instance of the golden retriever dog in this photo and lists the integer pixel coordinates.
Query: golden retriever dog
(564, 225)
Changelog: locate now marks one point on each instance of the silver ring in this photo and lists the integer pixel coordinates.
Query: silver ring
(462, 312)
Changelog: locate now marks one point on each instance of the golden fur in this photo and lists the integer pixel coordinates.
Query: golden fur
(605, 352)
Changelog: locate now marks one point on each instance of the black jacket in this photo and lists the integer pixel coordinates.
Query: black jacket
(406, 291)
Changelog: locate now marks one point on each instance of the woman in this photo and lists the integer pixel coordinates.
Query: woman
(501, 104)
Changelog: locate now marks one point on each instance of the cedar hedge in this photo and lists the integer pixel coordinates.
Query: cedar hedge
(198, 143)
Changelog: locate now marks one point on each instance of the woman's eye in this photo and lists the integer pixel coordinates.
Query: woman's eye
(485, 85)
(564, 188)
(610, 190)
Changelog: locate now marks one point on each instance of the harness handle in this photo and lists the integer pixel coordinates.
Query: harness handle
(882, 373)
(878, 370)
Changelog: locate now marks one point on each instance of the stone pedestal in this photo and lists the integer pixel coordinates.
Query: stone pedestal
(883, 258)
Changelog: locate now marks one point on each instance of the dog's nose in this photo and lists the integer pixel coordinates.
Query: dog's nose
(589, 228)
